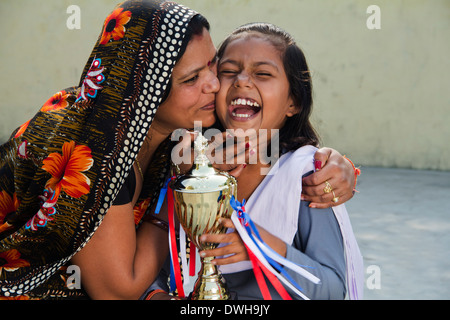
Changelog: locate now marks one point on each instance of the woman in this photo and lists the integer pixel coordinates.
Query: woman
(63, 169)
(102, 148)
(265, 84)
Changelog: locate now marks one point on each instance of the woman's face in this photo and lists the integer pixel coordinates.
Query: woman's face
(254, 89)
(194, 85)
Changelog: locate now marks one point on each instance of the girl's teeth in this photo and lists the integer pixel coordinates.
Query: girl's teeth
(239, 115)
(244, 102)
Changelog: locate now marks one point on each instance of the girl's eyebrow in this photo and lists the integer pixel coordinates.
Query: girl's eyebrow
(229, 61)
(255, 64)
(265, 63)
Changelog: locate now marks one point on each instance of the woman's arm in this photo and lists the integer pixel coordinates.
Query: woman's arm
(330, 166)
(120, 262)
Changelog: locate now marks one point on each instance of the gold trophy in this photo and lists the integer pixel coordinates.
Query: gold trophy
(201, 198)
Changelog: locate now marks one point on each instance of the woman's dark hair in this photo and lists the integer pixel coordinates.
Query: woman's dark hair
(194, 28)
(297, 130)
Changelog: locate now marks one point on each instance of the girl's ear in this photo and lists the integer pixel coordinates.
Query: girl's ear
(293, 110)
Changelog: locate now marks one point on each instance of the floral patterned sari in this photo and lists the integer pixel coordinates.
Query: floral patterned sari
(61, 170)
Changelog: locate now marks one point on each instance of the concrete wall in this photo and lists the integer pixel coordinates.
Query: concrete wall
(381, 95)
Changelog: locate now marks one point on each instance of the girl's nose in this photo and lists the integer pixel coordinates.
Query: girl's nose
(242, 80)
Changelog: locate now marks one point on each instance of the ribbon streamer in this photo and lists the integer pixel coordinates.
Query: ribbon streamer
(259, 276)
(192, 257)
(183, 256)
(175, 264)
(162, 195)
(176, 281)
(265, 257)
(259, 255)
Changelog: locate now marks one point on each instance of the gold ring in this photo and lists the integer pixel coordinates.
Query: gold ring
(335, 199)
(327, 188)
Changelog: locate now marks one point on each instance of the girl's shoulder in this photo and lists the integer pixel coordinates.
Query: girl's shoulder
(296, 163)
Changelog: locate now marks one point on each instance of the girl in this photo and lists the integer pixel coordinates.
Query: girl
(266, 84)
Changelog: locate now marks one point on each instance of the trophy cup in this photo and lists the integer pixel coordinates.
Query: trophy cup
(201, 198)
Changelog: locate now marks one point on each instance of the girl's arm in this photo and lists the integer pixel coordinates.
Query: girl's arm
(318, 244)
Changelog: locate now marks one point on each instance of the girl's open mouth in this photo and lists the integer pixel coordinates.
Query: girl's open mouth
(243, 109)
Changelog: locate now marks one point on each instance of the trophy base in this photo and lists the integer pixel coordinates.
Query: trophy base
(210, 284)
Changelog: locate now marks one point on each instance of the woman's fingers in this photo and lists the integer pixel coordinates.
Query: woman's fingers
(227, 153)
(236, 172)
(332, 183)
(327, 200)
(326, 194)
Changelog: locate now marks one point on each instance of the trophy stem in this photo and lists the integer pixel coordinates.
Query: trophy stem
(210, 284)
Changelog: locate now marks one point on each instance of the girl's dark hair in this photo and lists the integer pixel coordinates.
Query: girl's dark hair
(298, 130)
(194, 28)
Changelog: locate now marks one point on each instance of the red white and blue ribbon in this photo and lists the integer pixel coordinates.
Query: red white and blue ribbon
(265, 259)
(176, 279)
(175, 264)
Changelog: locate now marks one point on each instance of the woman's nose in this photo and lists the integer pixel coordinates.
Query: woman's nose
(213, 84)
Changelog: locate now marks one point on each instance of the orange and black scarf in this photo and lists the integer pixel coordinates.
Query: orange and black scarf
(61, 170)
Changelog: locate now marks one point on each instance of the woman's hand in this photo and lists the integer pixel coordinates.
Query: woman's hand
(230, 153)
(224, 152)
(333, 168)
(234, 246)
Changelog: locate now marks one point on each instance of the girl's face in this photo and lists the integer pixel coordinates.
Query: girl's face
(254, 89)
(194, 85)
